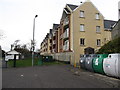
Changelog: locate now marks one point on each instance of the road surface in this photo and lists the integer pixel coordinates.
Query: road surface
(55, 76)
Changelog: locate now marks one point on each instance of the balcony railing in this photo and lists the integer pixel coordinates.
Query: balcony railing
(53, 33)
(54, 42)
(53, 50)
(50, 37)
(61, 36)
(66, 46)
(50, 44)
(66, 21)
(66, 33)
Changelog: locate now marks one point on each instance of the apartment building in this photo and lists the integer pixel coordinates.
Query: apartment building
(50, 41)
(55, 38)
(82, 28)
(45, 46)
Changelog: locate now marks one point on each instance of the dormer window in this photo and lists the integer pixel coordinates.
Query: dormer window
(82, 14)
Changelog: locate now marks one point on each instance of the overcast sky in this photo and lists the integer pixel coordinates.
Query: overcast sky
(16, 18)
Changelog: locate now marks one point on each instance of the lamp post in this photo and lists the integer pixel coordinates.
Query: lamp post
(33, 42)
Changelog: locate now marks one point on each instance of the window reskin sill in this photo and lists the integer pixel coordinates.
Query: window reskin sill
(82, 31)
(97, 19)
(98, 45)
(98, 32)
(82, 17)
(82, 45)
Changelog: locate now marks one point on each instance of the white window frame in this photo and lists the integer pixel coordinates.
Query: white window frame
(98, 43)
(82, 14)
(82, 27)
(97, 16)
(97, 28)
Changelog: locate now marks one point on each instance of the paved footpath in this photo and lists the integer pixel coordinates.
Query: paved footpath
(55, 76)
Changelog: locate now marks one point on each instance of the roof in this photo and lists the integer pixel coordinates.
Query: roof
(13, 52)
(72, 7)
(108, 24)
(55, 26)
(47, 36)
(67, 10)
(117, 23)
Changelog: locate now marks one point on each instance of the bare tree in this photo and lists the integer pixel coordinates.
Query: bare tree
(15, 44)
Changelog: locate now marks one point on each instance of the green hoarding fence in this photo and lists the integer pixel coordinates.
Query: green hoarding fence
(44, 59)
(98, 63)
(40, 61)
(48, 59)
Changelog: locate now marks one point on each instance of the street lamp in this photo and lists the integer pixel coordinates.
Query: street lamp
(33, 42)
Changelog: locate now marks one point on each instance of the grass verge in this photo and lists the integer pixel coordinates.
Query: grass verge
(28, 62)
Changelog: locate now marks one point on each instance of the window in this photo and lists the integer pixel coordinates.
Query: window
(67, 32)
(82, 27)
(97, 28)
(97, 16)
(82, 41)
(81, 14)
(98, 42)
(66, 45)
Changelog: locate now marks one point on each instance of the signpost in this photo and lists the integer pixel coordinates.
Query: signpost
(13, 57)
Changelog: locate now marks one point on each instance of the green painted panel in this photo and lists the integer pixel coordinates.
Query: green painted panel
(98, 63)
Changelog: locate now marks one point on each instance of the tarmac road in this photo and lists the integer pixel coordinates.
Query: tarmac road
(55, 76)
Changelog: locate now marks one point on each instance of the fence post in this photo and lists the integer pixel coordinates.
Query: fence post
(14, 65)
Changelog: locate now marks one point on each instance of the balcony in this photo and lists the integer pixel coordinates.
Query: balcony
(54, 42)
(61, 36)
(66, 21)
(53, 33)
(50, 44)
(53, 50)
(50, 37)
(66, 33)
(66, 45)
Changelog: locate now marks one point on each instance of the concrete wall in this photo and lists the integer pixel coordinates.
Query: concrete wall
(65, 56)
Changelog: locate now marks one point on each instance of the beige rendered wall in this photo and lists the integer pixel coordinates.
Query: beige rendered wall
(107, 36)
(90, 34)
